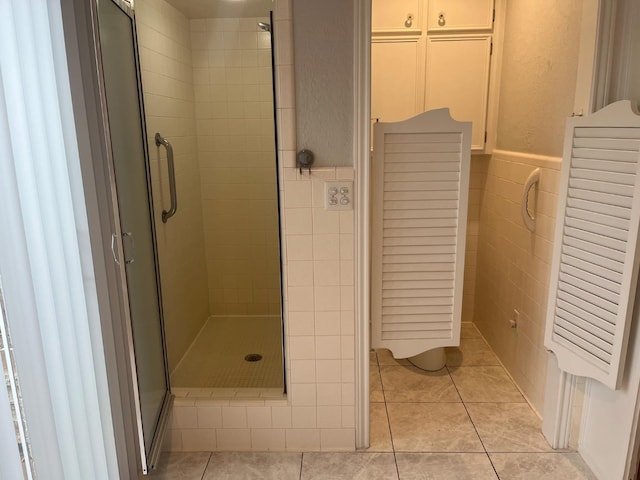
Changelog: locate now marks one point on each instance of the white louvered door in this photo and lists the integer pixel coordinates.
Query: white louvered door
(420, 185)
(595, 262)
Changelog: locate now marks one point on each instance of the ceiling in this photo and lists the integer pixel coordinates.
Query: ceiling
(223, 8)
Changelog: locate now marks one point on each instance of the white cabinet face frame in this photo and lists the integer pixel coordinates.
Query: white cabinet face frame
(457, 77)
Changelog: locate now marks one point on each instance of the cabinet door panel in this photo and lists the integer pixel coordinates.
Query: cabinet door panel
(458, 78)
(392, 14)
(396, 86)
(460, 15)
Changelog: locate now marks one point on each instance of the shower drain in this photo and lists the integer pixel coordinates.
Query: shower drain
(253, 357)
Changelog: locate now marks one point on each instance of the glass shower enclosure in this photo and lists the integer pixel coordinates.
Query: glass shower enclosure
(133, 239)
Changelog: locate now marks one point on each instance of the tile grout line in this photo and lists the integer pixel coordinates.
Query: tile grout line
(393, 447)
(206, 466)
(301, 461)
(464, 405)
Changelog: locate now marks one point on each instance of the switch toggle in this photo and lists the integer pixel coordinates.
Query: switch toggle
(338, 195)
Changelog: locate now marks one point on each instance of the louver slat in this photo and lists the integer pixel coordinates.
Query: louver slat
(595, 262)
(419, 192)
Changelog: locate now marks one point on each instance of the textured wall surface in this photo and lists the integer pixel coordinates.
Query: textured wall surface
(236, 150)
(165, 57)
(538, 80)
(323, 39)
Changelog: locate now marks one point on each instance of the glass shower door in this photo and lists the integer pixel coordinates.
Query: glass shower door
(134, 208)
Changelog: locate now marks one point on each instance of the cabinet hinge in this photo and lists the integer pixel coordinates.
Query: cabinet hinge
(493, 20)
(491, 48)
(485, 137)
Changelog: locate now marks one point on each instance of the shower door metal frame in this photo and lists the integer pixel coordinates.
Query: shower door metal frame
(147, 460)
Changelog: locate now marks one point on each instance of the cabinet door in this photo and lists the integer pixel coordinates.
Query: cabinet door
(397, 69)
(392, 15)
(459, 15)
(458, 78)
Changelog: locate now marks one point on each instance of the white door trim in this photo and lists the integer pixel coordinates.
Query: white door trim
(596, 60)
(362, 153)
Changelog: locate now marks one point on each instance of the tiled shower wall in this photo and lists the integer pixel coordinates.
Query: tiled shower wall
(514, 265)
(165, 57)
(233, 89)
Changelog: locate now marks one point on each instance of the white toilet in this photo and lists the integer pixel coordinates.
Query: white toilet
(431, 360)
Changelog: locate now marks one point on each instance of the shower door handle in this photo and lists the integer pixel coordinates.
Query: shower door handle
(166, 215)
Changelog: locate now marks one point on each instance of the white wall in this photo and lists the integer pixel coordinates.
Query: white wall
(538, 77)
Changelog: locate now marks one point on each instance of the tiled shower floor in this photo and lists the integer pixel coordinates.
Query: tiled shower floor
(217, 357)
(467, 421)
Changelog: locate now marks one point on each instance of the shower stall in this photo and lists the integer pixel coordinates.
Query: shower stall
(188, 105)
(207, 82)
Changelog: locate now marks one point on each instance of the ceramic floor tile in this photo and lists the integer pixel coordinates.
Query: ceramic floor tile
(253, 465)
(536, 466)
(508, 427)
(348, 466)
(444, 466)
(375, 385)
(432, 427)
(410, 384)
(379, 433)
(386, 358)
(469, 330)
(485, 384)
(181, 466)
(472, 351)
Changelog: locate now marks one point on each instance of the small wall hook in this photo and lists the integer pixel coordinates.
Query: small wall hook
(304, 159)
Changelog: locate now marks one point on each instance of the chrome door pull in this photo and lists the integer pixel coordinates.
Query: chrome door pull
(113, 248)
(125, 235)
(166, 215)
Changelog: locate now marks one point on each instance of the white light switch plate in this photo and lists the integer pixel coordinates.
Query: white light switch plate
(338, 195)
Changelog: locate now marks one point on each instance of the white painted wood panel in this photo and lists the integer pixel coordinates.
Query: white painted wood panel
(420, 183)
(457, 77)
(459, 15)
(391, 15)
(595, 262)
(397, 78)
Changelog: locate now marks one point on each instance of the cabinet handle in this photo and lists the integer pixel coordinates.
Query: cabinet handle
(409, 21)
(442, 19)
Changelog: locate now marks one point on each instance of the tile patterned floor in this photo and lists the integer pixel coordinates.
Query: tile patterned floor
(467, 421)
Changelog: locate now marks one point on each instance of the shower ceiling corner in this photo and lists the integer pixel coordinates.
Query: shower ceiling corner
(194, 9)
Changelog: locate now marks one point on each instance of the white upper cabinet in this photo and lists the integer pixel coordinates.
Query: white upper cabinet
(441, 58)
(396, 15)
(458, 78)
(447, 15)
(397, 72)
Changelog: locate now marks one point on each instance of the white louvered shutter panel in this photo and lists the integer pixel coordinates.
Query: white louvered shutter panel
(595, 262)
(420, 188)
